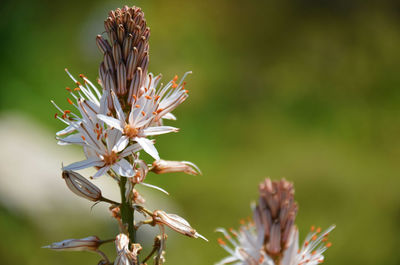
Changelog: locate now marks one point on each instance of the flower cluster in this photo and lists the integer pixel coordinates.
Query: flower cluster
(272, 237)
(113, 125)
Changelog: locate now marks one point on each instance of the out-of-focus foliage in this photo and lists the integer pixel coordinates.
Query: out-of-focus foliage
(303, 89)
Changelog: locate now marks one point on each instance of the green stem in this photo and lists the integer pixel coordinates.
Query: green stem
(126, 211)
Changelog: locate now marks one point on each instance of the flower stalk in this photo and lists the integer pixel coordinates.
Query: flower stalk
(127, 211)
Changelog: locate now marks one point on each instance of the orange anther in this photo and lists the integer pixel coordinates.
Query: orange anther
(314, 252)
(175, 78)
(314, 238)
(306, 243)
(55, 116)
(318, 230)
(221, 242)
(159, 110)
(242, 222)
(67, 111)
(69, 101)
(82, 76)
(78, 83)
(154, 113)
(77, 89)
(148, 97)
(134, 97)
(83, 138)
(68, 89)
(137, 106)
(143, 113)
(64, 116)
(324, 239)
(312, 228)
(174, 85)
(328, 245)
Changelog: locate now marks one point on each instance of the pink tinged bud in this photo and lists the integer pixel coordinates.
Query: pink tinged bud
(176, 223)
(164, 166)
(81, 186)
(90, 243)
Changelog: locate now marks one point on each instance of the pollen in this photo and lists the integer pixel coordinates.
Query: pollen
(111, 158)
(130, 131)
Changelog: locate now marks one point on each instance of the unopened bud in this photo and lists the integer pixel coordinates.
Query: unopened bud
(164, 166)
(81, 186)
(176, 223)
(90, 243)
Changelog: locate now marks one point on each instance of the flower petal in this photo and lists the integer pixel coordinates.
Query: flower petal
(148, 147)
(124, 168)
(90, 162)
(111, 121)
(157, 130)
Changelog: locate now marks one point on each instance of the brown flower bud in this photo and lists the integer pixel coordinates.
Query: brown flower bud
(164, 166)
(176, 223)
(81, 186)
(277, 212)
(126, 53)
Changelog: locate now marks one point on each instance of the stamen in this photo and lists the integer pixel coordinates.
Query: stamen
(143, 113)
(69, 101)
(68, 89)
(221, 242)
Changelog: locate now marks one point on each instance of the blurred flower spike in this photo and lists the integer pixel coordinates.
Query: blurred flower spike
(272, 238)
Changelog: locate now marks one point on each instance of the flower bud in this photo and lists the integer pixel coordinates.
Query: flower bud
(81, 186)
(164, 166)
(176, 223)
(90, 243)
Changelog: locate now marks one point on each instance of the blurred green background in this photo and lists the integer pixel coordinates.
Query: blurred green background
(303, 89)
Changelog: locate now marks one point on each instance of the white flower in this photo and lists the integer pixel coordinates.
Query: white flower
(137, 127)
(107, 154)
(246, 246)
(311, 250)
